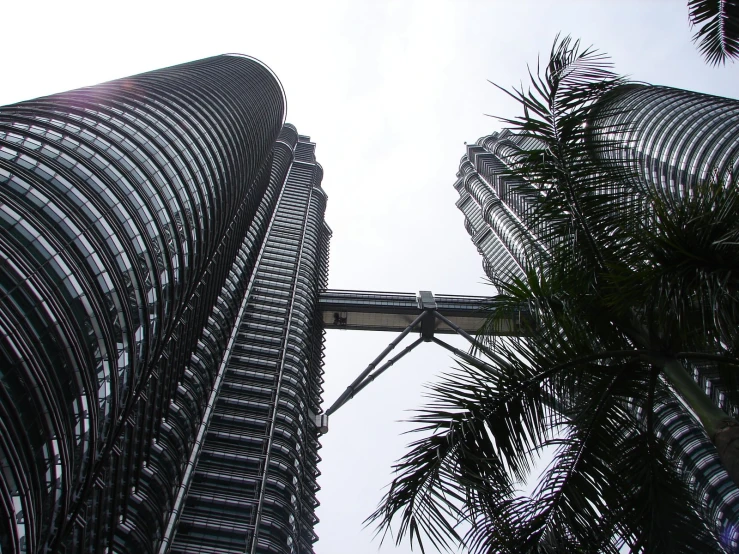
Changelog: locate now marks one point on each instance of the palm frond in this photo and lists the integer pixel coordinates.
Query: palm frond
(686, 268)
(611, 284)
(576, 199)
(476, 436)
(718, 28)
(485, 425)
(658, 511)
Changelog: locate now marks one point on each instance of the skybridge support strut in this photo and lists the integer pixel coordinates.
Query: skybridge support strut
(472, 340)
(426, 324)
(372, 376)
(352, 389)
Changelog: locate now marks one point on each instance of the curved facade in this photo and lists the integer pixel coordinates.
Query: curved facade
(132, 216)
(496, 215)
(253, 484)
(669, 138)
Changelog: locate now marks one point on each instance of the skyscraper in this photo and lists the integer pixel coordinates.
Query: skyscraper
(669, 139)
(161, 252)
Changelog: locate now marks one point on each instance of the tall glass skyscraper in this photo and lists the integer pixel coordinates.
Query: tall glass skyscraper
(162, 245)
(669, 139)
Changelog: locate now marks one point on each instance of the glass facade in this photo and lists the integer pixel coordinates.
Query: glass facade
(668, 139)
(253, 486)
(495, 213)
(162, 243)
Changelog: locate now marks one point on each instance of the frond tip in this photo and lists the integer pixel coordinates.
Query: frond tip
(718, 28)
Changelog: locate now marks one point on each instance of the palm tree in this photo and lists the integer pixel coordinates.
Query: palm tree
(718, 33)
(630, 289)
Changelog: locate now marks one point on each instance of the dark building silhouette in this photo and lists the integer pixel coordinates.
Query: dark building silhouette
(668, 139)
(162, 245)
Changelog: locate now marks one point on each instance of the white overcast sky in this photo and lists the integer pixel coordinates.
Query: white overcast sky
(389, 91)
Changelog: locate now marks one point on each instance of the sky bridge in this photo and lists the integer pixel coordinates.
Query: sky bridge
(424, 313)
(394, 311)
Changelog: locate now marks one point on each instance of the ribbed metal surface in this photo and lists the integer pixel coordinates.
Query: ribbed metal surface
(698, 456)
(670, 138)
(123, 208)
(495, 214)
(253, 489)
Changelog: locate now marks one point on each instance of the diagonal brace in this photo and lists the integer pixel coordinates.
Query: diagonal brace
(464, 355)
(372, 376)
(352, 389)
(473, 341)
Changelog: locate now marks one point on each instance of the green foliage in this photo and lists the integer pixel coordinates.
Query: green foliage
(619, 277)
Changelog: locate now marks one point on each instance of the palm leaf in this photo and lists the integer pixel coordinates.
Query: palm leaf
(658, 502)
(718, 32)
(582, 376)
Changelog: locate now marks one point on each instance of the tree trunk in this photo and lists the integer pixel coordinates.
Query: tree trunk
(721, 429)
(726, 439)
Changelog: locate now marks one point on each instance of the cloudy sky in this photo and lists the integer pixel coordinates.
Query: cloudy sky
(389, 91)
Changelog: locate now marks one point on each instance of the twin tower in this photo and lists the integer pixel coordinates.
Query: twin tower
(163, 250)
(163, 245)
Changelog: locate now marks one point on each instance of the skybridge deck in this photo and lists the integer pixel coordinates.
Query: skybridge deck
(394, 311)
